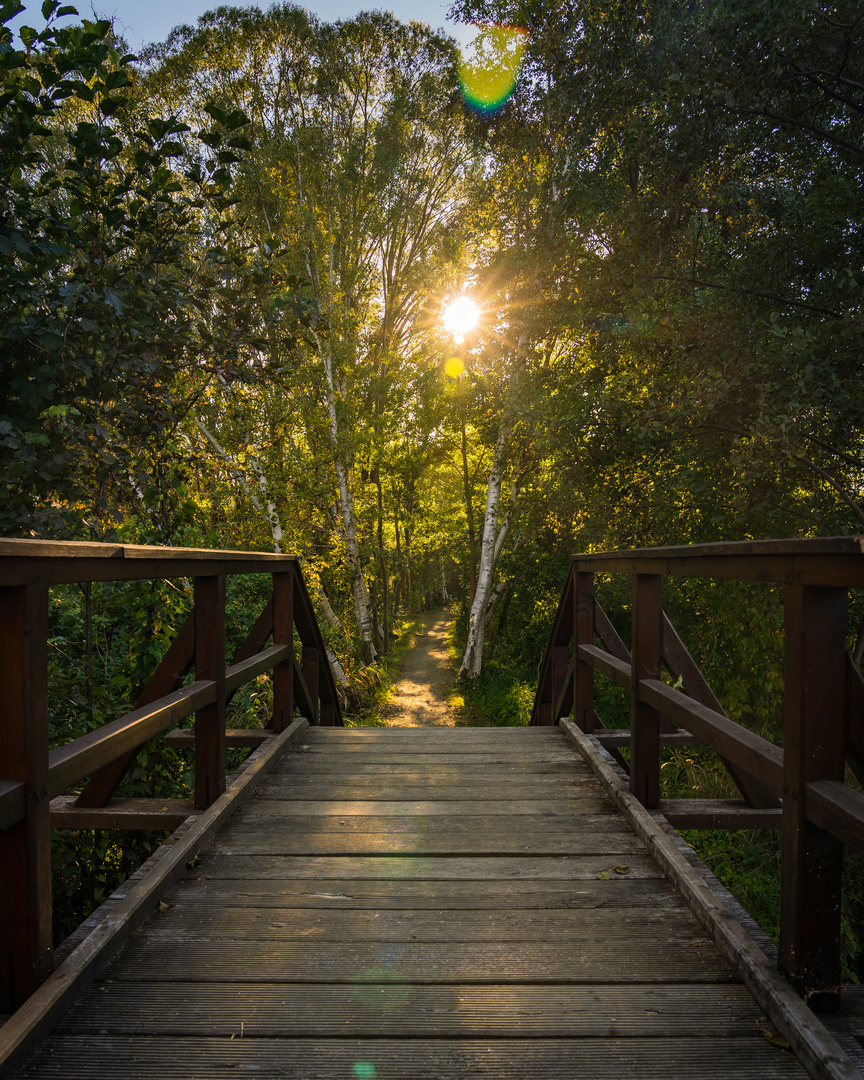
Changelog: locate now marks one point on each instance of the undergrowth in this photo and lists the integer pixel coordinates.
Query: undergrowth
(370, 688)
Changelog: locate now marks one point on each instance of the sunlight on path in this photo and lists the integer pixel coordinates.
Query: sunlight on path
(426, 680)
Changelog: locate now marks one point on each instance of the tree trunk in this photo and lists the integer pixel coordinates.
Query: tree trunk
(382, 561)
(469, 511)
(472, 661)
(397, 591)
(349, 516)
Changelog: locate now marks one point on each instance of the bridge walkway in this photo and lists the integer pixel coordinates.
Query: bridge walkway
(416, 903)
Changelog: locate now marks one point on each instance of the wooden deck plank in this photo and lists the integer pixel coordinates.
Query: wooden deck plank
(510, 895)
(440, 788)
(421, 867)
(80, 1057)
(577, 808)
(422, 838)
(316, 961)
(505, 757)
(383, 1002)
(632, 925)
(424, 905)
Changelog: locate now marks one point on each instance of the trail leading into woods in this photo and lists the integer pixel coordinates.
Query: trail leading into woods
(427, 678)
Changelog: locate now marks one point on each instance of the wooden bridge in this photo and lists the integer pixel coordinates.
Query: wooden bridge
(422, 903)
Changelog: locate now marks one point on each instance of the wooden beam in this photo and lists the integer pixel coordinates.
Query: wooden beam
(70, 763)
(49, 562)
(644, 718)
(682, 666)
(246, 670)
(13, 803)
(582, 678)
(610, 666)
(621, 737)
(853, 706)
(310, 666)
(719, 814)
(609, 635)
(562, 682)
(22, 1032)
(26, 956)
(818, 1050)
(121, 814)
(837, 808)
(250, 737)
(754, 754)
(813, 750)
(210, 665)
(283, 634)
(168, 677)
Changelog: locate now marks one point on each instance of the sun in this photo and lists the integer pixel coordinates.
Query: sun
(461, 316)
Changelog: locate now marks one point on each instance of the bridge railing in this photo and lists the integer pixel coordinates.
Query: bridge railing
(799, 788)
(32, 775)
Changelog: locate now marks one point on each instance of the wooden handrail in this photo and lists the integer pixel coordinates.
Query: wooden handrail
(823, 721)
(30, 775)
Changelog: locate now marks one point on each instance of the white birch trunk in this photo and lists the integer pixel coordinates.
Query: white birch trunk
(270, 513)
(472, 661)
(444, 594)
(501, 586)
(349, 519)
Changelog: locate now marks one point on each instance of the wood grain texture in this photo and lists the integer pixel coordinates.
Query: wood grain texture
(460, 907)
(743, 1057)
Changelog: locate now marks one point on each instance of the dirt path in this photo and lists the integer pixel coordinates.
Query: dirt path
(427, 678)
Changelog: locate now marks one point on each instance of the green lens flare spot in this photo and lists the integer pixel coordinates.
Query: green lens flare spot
(489, 77)
(363, 1070)
(381, 987)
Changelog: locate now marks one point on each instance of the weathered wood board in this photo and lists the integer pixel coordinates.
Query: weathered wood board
(409, 903)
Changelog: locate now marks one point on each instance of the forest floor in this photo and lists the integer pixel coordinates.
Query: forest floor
(426, 680)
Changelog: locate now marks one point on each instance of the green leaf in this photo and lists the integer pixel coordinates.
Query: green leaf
(115, 301)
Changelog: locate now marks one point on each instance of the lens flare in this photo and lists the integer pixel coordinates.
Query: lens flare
(453, 367)
(490, 76)
(460, 316)
(364, 1070)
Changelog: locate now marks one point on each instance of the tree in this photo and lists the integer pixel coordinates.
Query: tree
(121, 270)
(358, 171)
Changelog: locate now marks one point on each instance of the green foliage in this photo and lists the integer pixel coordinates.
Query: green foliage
(122, 271)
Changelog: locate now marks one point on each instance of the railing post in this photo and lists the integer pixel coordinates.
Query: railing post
(283, 634)
(644, 720)
(26, 957)
(310, 664)
(210, 664)
(583, 704)
(813, 749)
(559, 677)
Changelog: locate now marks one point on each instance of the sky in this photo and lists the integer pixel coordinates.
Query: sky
(144, 21)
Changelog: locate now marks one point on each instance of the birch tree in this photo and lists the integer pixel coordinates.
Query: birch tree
(359, 174)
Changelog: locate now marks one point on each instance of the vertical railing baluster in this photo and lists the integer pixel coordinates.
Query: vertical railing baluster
(210, 664)
(583, 703)
(644, 720)
(310, 664)
(283, 634)
(26, 957)
(813, 749)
